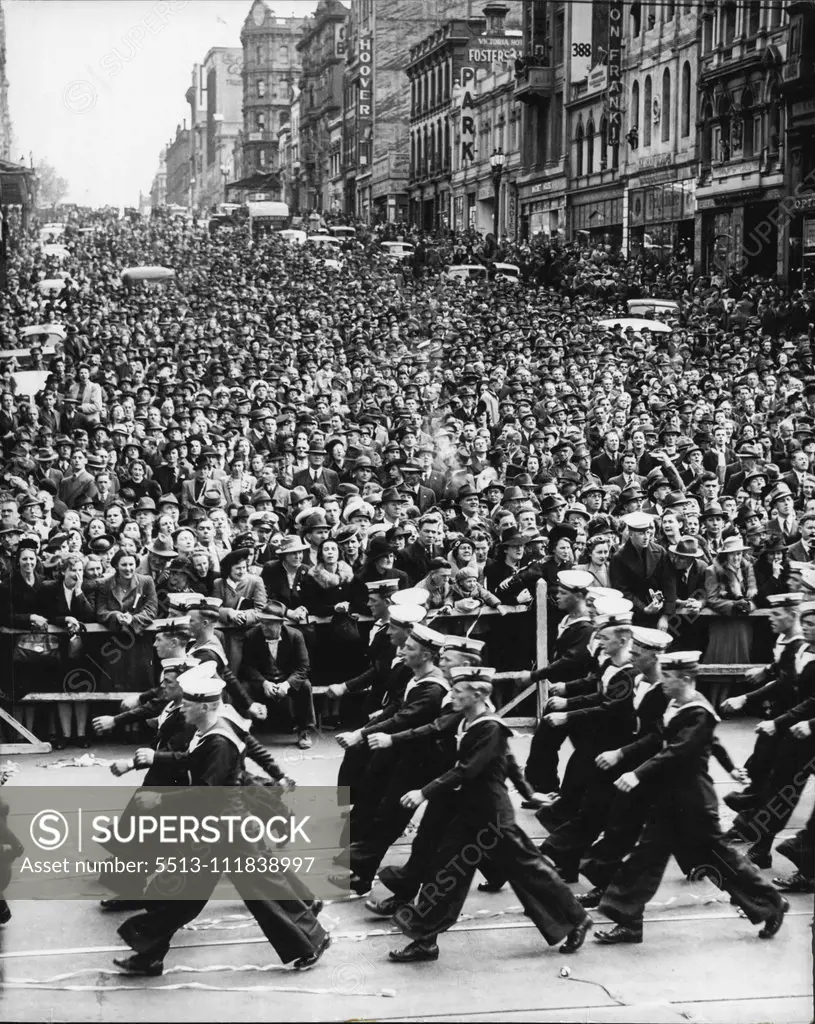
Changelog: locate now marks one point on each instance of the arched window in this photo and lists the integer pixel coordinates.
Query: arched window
(603, 143)
(669, 10)
(590, 147)
(665, 123)
(647, 112)
(686, 100)
(412, 156)
(635, 105)
(578, 147)
(447, 145)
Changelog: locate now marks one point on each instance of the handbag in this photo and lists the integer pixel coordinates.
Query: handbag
(37, 649)
(344, 629)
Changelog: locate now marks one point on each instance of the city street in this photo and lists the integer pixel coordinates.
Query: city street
(700, 961)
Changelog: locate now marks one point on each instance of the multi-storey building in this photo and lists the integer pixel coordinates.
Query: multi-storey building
(270, 69)
(434, 71)
(744, 160)
(215, 119)
(376, 107)
(158, 188)
(177, 163)
(5, 116)
(658, 157)
(322, 54)
(542, 75)
(289, 162)
(797, 210)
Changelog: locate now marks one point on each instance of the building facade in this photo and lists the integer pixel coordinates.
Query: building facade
(741, 125)
(377, 104)
(158, 188)
(659, 160)
(434, 71)
(177, 164)
(270, 68)
(322, 54)
(5, 116)
(796, 213)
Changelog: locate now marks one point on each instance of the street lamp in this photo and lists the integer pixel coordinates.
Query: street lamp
(497, 164)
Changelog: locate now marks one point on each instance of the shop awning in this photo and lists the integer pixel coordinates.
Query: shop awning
(257, 183)
(16, 184)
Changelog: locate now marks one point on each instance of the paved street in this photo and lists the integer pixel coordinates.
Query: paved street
(700, 961)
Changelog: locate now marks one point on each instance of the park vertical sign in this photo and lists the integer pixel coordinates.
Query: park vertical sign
(614, 87)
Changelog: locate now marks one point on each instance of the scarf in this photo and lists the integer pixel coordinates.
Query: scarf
(327, 579)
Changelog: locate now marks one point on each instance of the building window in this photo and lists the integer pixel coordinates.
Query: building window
(634, 113)
(746, 124)
(753, 17)
(560, 34)
(729, 23)
(260, 121)
(670, 9)
(590, 147)
(261, 157)
(686, 99)
(666, 106)
(283, 52)
(557, 126)
(707, 33)
(652, 15)
(261, 89)
(259, 54)
(578, 149)
(707, 134)
(636, 15)
(603, 143)
(647, 116)
(776, 13)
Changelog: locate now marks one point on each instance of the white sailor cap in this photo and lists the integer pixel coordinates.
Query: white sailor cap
(603, 593)
(472, 673)
(201, 684)
(680, 661)
(382, 586)
(413, 595)
(638, 520)
(784, 600)
(575, 580)
(406, 614)
(651, 639)
(427, 637)
(468, 644)
(613, 606)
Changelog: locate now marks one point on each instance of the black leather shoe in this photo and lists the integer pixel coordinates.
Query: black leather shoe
(138, 964)
(619, 934)
(489, 887)
(305, 962)
(115, 904)
(577, 936)
(385, 908)
(414, 953)
(590, 899)
(773, 923)
(5, 915)
(760, 856)
(796, 882)
(83, 743)
(358, 886)
(57, 743)
(740, 800)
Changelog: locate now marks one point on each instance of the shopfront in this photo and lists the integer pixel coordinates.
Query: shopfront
(540, 209)
(596, 220)
(801, 211)
(661, 219)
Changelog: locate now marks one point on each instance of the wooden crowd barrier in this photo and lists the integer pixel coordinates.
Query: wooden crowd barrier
(538, 691)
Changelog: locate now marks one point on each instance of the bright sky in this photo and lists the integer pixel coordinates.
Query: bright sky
(96, 106)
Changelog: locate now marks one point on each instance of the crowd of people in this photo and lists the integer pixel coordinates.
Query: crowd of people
(288, 469)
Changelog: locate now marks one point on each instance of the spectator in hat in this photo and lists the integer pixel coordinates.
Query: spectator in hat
(641, 570)
(315, 472)
(275, 667)
(201, 485)
(687, 557)
(437, 586)
(783, 521)
(730, 590)
(773, 572)
(283, 579)
(468, 595)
